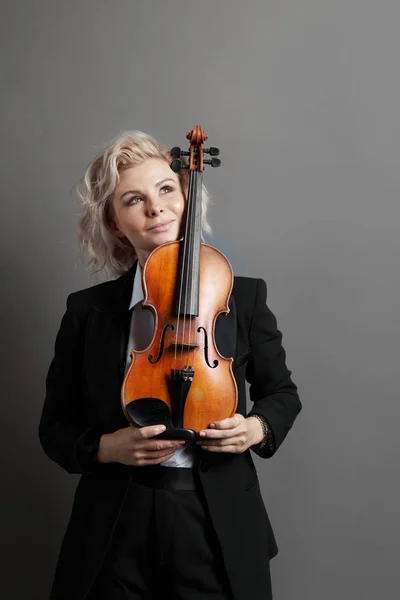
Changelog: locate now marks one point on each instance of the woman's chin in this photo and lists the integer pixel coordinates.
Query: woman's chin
(165, 236)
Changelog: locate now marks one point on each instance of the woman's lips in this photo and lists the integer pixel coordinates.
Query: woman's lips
(164, 226)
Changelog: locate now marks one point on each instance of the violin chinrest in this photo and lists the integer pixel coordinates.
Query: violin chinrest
(153, 411)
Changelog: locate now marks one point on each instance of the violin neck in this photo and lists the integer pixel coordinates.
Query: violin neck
(189, 272)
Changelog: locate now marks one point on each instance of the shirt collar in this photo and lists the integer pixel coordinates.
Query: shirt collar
(137, 289)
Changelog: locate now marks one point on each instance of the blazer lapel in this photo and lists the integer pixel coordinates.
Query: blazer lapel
(107, 335)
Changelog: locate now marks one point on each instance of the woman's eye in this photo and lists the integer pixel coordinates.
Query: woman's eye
(166, 188)
(134, 200)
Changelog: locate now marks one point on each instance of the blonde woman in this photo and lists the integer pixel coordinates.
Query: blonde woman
(155, 517)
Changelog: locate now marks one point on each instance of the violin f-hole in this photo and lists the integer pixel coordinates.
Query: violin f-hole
(162, 344)
(215, 362)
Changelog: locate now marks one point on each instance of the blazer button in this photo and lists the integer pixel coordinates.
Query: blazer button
(204, 466)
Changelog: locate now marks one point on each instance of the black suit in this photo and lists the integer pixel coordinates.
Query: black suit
(83, 402)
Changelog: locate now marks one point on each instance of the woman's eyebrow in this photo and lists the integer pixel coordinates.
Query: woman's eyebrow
(129, 192)
(164, 180)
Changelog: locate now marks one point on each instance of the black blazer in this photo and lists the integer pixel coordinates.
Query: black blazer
(83, 402)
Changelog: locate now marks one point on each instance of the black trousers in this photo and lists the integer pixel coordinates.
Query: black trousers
(164, 543)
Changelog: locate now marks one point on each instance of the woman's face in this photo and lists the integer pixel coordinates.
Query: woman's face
(148, 206)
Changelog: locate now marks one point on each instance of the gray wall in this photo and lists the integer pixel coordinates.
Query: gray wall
(302, 97)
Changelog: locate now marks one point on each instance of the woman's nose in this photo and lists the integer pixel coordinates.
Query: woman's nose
(154, 206)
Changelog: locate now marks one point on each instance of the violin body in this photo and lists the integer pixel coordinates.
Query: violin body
(213, 392)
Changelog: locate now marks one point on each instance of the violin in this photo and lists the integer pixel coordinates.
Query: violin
(181, 380)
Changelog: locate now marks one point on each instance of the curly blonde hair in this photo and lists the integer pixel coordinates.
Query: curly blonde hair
(95, 190)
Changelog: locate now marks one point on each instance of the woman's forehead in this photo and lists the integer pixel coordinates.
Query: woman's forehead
(150, 170)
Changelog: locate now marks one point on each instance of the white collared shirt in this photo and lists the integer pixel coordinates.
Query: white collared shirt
(141, 332)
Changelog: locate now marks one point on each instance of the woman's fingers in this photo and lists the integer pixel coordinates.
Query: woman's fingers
(142, 447)
(148, 459)
(154, 452)
(159, 447)
(227, 435)
(225, 428)
(236, 445)
(146, 439)
(232, 440)
(150, 431)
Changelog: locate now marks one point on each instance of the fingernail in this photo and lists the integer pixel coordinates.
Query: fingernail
(202, 434)
(161, 428)
(212, 425)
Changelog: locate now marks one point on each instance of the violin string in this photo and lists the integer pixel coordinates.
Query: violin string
(192, 259)
(185, 242)
(197, 225)
(179, 301)
(186, 270)
(187, 249)
(183, 274)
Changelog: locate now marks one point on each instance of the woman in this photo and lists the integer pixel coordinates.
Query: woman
(155, 516)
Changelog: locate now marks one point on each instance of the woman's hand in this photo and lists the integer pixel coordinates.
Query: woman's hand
(135, 446)
(235, 434)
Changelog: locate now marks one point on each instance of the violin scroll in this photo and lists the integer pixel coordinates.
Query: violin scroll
(196, 153)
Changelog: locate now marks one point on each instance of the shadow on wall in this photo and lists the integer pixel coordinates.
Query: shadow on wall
(334, 286)
(37, 494)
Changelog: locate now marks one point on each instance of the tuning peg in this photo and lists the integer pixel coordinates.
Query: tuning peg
(175, 152)
(212, 151)
(176, 165)
(214, 162)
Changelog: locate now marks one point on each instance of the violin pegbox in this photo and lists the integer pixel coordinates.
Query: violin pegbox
(196, 153)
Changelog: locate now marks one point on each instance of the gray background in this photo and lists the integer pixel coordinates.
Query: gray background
(302, 97)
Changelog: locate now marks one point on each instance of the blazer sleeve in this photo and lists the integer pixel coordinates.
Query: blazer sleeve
(65, 431)
(272, 390)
